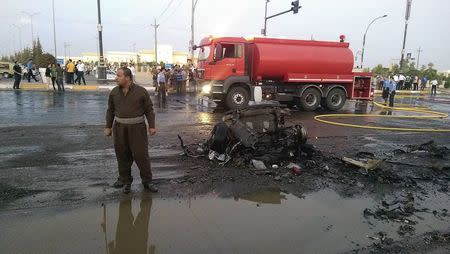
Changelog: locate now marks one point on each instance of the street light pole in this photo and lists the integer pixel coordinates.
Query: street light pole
(408, 11)
(191, 44)
(364, 38)
(30, 15)
(101, 69)
(54, 30)
(264, 31)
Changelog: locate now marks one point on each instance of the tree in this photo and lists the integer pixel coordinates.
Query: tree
(380, 70)
(44, 60)
(430, 72)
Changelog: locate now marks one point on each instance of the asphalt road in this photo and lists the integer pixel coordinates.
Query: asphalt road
(57, 168)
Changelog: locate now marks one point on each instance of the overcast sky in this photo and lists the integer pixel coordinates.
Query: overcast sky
(128, 22)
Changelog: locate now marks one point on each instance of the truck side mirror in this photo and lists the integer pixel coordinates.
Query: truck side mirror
(218, 52)
(195, 47)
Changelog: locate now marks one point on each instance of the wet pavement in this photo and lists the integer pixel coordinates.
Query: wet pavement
(57, 169)
(268, 221)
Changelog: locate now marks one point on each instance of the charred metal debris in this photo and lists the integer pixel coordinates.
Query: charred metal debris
(255, 133)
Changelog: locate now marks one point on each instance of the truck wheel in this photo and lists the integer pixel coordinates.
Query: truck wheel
(336, 99)
(237, 97)
(310, 99)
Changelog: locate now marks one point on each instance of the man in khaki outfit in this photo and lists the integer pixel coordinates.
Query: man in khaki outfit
(128, 106)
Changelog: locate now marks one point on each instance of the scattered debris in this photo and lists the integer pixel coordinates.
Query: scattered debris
(259, 165)
(371, 164)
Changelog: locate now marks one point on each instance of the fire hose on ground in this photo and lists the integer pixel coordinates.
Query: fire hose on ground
(429, 114)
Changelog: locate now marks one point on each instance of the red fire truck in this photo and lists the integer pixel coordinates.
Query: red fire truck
(302, 72)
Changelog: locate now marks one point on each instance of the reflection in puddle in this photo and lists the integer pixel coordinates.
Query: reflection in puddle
(131, 234)
(321, 222)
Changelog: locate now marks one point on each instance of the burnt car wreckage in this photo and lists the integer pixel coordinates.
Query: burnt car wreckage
(256, 132)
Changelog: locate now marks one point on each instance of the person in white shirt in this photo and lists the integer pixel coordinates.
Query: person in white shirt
(80, 75)
(133, 71)
(434, 84)
(401, 82)
(416, 83)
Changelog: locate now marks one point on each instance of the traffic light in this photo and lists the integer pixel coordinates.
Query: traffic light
(295, 6)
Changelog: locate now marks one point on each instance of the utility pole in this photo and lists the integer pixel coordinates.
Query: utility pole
(418, 57)
(156, 41)
(31, 15)
(66, 45)
(101, 69)
(191, 43)
(408, 11)
(54, 30)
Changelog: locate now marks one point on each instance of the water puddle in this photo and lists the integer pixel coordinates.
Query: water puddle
(264, 222)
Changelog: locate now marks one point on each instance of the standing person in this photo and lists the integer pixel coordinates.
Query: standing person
(416, 83)
(162, 86)
(401, 82)
(434, 84)
(423, 83)
(133, 71)
(184, 79)
(178, 80)
(128, 106)
(392, 88)
(48, 75)
(70, 71)
(77, 78)
(30, 71)
(17, 75)
(80, 73)
(385, 94)
(53, 75)
(60, 77)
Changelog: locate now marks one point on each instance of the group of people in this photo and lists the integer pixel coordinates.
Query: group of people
(398, 82)
(55, 74)
(175, 78)
(410, 83)
(75, 69)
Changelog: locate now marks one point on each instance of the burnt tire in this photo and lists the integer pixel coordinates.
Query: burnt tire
(237, 97)
(336, 99)
(310, 99)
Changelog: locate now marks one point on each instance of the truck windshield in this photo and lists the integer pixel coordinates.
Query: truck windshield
(204, 53)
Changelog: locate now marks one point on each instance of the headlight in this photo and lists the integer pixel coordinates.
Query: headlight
(206, 89)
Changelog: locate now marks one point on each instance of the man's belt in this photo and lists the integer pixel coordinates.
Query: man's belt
(134, 120)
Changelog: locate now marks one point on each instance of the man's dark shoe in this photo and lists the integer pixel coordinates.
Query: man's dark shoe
(150, 187)
(126, 188)
(118, 184)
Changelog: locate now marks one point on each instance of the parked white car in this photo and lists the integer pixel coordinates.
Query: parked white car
(110, 75)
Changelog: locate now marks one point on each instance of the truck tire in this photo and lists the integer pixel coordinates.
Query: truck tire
(237, 97)
(310, 99)
(336, 99)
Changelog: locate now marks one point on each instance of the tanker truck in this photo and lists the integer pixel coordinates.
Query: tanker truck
(305, 73)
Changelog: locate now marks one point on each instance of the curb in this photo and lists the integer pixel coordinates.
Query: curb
(75, 88)
(410, 92)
